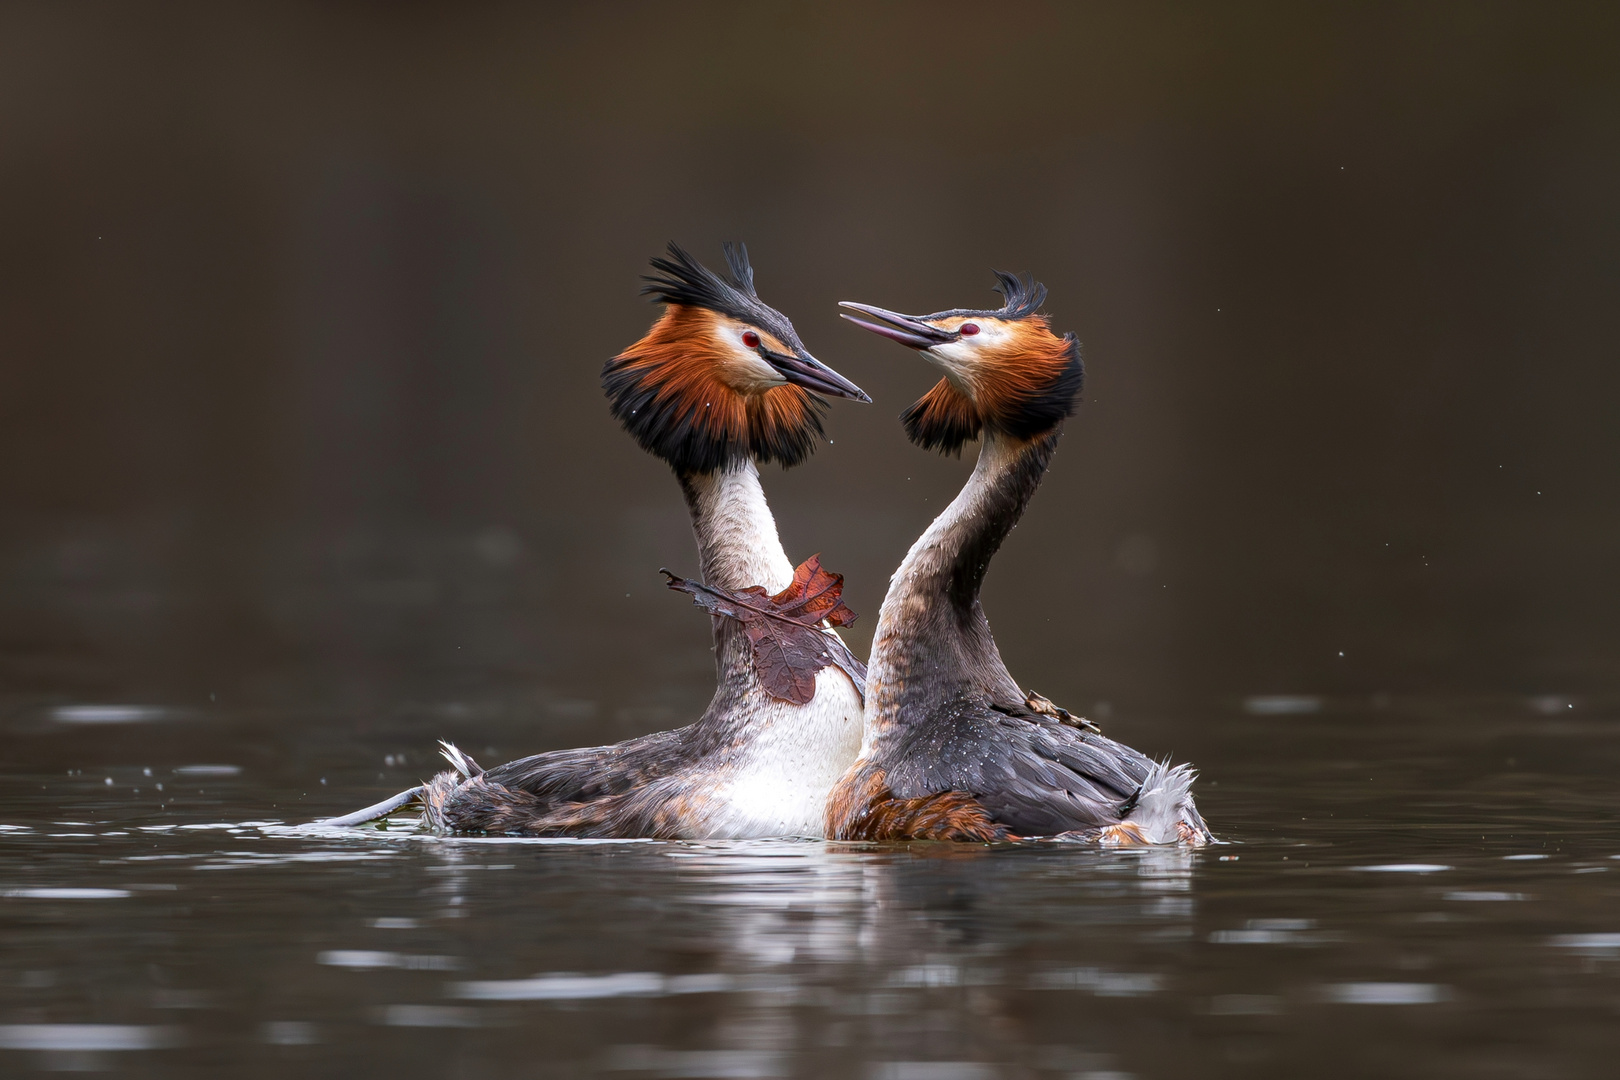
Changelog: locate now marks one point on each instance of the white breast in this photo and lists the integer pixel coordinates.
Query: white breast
(777, 785)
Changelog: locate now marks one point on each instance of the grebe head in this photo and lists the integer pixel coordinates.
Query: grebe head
(1005, 369)
(721, 376)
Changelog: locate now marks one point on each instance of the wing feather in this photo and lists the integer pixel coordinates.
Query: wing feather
(1034, 775)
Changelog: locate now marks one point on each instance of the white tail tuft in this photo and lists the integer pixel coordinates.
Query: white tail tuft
(463, 764)
(1162, 803)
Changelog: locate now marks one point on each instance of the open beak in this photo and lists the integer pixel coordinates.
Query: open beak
(902, 328)
(812, 374)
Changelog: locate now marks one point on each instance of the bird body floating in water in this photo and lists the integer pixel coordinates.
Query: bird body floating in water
(720, 383)
(953, 748)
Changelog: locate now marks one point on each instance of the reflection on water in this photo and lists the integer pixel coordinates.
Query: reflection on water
(1427, 915)
(1385, 993)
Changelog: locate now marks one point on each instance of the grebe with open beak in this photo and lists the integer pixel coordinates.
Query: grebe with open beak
(953, 748)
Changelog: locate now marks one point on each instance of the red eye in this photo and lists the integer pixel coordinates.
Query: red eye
(968, 329)
(750, 339)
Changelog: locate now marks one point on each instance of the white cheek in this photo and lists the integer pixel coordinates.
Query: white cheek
(959, 358)
(745, 371)
(952, 354)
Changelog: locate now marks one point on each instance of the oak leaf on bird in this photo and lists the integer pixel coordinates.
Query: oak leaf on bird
(785, 633)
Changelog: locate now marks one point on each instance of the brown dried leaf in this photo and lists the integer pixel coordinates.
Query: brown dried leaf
(785, 633)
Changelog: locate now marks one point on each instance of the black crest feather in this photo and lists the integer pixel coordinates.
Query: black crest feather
(1024, 296)
(742, 273)
(681, 279)
(1021, 296)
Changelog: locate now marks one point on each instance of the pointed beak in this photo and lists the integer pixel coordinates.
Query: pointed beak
(905, 329)
(810, 373)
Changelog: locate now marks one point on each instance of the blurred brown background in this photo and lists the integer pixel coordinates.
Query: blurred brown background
(302, 310)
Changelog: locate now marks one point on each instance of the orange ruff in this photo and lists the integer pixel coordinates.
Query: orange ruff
(865, 809)
(682, 363)
(1021, 370)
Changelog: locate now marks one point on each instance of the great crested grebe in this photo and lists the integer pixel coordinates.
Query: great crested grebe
(720, 382)
(953, 749)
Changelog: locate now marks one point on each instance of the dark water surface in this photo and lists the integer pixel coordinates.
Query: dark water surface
(304, 465)
(1414, 889)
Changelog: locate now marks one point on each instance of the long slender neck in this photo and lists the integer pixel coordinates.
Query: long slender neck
(736, 534)
(933, 642)
(737, 547)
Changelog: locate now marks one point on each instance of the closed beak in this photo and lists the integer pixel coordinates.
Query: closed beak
(806, 371)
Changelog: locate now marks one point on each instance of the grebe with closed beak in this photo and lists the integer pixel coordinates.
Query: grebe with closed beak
(953, 748)
(719, 383)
